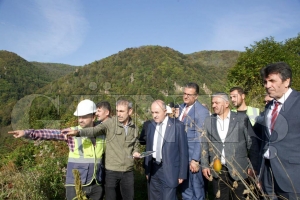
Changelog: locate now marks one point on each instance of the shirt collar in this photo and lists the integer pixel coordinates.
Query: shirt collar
(227, 117)
(284, 96)
(190, 105)
(165, 120)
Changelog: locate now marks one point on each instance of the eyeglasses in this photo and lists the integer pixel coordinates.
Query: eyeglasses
(186, 94)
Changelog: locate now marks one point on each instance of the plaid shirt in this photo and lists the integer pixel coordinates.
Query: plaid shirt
(49, 134)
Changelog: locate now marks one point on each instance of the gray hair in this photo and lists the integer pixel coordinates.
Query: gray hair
(125, 102)
(223, 95)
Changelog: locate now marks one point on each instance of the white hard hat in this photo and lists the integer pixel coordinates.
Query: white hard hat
(169, 110)
(85, 107)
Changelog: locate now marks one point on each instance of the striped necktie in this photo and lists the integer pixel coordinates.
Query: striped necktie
(185, 113)
(274, 114)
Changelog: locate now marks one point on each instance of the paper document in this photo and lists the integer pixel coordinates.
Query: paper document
(145, 154)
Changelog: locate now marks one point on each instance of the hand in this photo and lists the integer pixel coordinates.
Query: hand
(259, 185)
(70, 132)
(251, 173)
(180, 180)
(194, 166)
(17, 133)
(147, 177)
(136, 155)
(206, 173)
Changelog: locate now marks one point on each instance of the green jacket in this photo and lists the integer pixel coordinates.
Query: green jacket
(119, 145)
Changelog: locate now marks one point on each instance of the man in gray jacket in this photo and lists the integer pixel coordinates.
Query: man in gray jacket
(121, 146)
(227, 139)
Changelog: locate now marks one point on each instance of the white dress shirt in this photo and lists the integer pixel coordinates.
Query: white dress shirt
(157, 134)
(183, 111)
(222, 127)
(269, 114)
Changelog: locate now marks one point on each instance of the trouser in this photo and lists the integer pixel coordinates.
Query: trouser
(92, 191)
(193, 187)
(115, 178)
(223, 184)
(271, 188)
(158, 190)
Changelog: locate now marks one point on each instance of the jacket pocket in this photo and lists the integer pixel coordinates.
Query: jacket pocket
(294, 160)
(83, 171)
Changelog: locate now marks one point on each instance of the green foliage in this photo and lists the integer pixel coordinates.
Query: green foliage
(33, 171)
(19, 78)
(246, 72)
(142, 74)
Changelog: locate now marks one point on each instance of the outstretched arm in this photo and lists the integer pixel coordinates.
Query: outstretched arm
(17, 133)
(41, 134)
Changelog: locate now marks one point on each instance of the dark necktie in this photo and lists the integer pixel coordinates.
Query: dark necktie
(274, 114)
(185, 113)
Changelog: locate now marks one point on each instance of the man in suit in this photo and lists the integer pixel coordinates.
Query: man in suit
(167, 167)
(278, 135)
(226, 138)
(193, 114)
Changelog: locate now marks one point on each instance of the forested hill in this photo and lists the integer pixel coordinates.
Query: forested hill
(19, 77)
(216, 58)
(53, 71)
(147, 70)
(154, 70)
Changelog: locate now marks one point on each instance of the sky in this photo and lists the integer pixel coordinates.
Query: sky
(78, 32)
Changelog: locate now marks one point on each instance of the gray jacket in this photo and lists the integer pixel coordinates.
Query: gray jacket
(236, 145)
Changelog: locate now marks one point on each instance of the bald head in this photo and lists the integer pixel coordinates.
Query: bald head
(158, 111)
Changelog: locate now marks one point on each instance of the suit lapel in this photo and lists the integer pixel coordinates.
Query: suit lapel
(169, 135)
(232, 123)
(281, 124)
(215, 133)
(152, 127)
(289, 103)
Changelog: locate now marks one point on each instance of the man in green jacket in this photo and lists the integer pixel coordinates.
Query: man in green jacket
(121, 146)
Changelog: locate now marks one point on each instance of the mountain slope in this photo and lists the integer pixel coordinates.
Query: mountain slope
(19, 78)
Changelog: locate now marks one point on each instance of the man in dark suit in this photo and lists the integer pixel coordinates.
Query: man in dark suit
(193, 114)
(278, 135)
(226, 138)
(167, 167)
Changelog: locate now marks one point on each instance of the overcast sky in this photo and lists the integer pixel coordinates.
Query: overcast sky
(78, 32)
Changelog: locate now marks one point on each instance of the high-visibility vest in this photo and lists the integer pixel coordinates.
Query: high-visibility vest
(87, 159)
(252, 114)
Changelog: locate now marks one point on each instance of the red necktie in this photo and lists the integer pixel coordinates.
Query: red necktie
(274, 114)
(185, 113)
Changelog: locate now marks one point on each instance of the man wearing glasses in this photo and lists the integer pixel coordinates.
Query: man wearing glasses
(193, 114)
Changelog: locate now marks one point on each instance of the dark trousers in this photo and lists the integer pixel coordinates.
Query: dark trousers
(114, 179)
(93, 192)
(158, 190)
(271, 188)
(224, 183)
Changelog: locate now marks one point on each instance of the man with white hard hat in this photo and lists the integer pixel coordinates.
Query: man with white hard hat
(87, 158)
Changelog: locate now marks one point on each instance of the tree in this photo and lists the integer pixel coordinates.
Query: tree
(246, 72)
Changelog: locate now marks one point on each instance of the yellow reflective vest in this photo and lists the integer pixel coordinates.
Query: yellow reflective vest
(87, 159)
